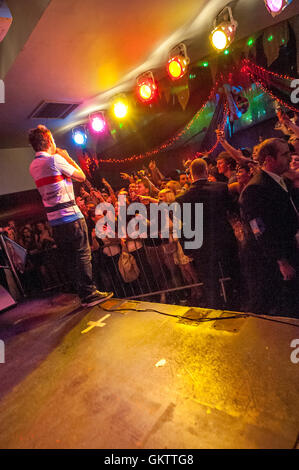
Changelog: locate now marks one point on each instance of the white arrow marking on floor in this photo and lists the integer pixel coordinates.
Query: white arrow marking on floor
(99, 323)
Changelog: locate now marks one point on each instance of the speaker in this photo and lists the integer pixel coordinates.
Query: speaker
(6, 299)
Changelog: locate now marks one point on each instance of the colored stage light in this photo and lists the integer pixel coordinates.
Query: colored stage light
(224, 30)
(145, 92)
(275, 7)
(178, 61)
(97, 122)
(219, 39)
(146, 87)
(79, 136)
(177, 67)
(120, 109)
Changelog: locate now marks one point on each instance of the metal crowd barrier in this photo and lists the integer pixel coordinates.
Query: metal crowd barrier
(158, 274)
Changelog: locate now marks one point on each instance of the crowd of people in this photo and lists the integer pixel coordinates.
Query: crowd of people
(237, 264)
(248, 260)
(41, 268)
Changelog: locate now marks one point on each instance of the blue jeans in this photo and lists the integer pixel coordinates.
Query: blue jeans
(72, 241)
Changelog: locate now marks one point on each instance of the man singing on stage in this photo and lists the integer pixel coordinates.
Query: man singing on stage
(53, 170)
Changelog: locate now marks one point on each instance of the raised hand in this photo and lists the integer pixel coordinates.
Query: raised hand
(105, 182)
(152, 165)
(220, 134)
(63, 153)
(287, 271)
(125, 176)
(187, 163)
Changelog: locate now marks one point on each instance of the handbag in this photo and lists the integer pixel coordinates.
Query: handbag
(169, 248)
(128, 267)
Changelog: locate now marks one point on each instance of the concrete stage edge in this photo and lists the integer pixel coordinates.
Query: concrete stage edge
(142, 379)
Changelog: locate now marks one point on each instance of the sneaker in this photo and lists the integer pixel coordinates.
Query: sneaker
(96, 298)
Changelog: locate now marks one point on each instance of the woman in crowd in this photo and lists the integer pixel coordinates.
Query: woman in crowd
(178, 258)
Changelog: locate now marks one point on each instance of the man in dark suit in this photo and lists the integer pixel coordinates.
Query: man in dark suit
(217, 257)
(271, 218)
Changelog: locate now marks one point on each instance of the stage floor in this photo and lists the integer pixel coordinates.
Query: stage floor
(140, 379)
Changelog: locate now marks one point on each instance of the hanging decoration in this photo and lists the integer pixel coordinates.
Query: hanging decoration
(213, 64)
(273, 38)
(275, 85)
(250, 47)
(168, 144)
(231, 104)
(219, 120)
(294, 22)
(183, 92)
(238, 104)
(164, 89)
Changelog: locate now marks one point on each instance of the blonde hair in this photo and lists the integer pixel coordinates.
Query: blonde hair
(169, 195)
(174, 186)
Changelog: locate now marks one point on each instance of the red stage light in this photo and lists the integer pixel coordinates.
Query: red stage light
(146, 87)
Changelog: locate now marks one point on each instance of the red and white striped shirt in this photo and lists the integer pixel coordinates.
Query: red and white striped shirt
(51, 174)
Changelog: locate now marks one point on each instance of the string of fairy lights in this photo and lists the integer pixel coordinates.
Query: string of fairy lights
(257, 74)
(170, 142)
(248, 68)
(147, 87)
(221, 128)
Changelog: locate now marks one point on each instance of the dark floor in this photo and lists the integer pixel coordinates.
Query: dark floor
(145, 380)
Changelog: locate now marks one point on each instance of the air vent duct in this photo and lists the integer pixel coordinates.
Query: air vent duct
(52, 110)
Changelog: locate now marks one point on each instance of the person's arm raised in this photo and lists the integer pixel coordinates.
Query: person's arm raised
(236, 154)
(286, 121)
(110, 189)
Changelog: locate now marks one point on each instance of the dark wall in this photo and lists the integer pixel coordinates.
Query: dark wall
(250, 137)
(23, 207)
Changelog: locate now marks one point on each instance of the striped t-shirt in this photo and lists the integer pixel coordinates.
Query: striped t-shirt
(51, 174)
